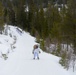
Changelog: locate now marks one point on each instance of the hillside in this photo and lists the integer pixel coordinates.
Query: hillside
(20, 58)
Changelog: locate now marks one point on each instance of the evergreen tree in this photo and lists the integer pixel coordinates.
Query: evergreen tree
(20, 13)
(32, 16)
(1, 16)
(41, 22)
(9, 14)
(72, 9)
(54, 24)
(49, 17)
(69, 27)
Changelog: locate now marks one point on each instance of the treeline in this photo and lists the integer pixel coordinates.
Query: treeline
(50, 24)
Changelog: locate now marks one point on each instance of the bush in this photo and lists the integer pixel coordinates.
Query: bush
(63, 59)
(62, 62)
(42, 45)
(4, 56)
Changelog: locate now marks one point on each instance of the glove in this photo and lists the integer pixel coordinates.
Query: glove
(39, 52)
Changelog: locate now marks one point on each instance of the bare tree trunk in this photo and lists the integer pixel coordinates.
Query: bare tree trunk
(74, 59)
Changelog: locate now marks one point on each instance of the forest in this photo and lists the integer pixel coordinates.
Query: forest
(50, 21)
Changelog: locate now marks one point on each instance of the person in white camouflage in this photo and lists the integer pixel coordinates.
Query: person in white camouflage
(36, 51)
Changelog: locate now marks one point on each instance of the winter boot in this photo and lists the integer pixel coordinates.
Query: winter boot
(38, 58)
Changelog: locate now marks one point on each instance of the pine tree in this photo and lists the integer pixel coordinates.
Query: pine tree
(49, 16)
(32, 16)
(70, 23)
(9, 14)
(42, 24)
(20, 14)
(1, 16)
(54, 24)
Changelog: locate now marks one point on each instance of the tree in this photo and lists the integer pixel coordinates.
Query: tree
(18, 6)
(70, 23)
(42, 21)
(1, 16)
(32, 16)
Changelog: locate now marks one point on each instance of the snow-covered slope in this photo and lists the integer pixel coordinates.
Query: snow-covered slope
(20, 60)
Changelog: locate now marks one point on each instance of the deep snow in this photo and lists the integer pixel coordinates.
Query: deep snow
(20, 60)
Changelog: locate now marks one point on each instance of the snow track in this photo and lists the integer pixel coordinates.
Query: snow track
(20, 62)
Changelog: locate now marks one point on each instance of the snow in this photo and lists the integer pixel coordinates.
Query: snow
(20, 60)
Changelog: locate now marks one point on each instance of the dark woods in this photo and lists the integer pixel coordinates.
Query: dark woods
(50, 21)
